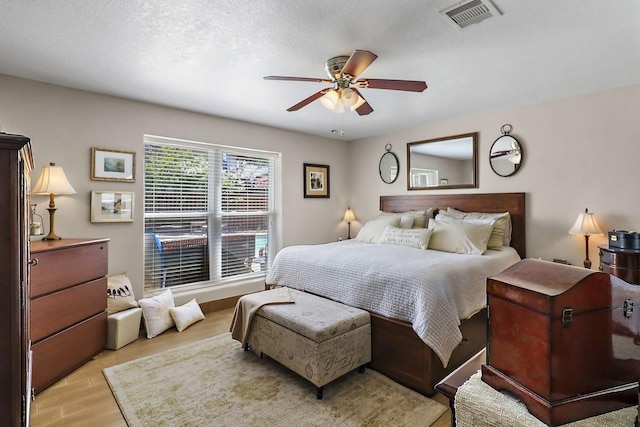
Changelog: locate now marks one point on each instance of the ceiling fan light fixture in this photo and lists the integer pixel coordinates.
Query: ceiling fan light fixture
(329, 99)
(349, 97)
(339, 108)
(515, 157)
(358, 103)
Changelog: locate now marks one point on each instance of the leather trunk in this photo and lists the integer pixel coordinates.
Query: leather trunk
(562, 339)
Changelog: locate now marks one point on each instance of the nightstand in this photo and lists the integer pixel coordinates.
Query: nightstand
(622, 263)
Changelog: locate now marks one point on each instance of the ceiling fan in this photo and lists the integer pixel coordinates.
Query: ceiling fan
(343, 72)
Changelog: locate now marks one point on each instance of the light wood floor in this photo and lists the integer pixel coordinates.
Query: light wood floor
(84, 398)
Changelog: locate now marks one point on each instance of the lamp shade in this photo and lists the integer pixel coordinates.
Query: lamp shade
(349, 216)
(329, 100)
(349, 97)
(585, 224)
(53, 181)
(358, 103)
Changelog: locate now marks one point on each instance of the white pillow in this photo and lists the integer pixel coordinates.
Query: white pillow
(155, 311)
(415, 238)
(420, 217)
(186, 315)
(459, 237)
(373, 229)
(119, 294)
(501, 233)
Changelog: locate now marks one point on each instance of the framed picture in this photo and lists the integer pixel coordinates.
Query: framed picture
(316, 180)
(112, 206)
(113, 165)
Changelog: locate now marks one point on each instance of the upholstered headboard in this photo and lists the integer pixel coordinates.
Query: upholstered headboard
(514, 203)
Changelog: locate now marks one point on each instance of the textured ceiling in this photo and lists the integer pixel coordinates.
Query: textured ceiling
(210, 56)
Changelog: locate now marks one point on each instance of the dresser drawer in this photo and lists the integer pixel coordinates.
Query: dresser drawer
(54, 312)
(626, 274)
(65, 351)
(620, 259)
(60, 268)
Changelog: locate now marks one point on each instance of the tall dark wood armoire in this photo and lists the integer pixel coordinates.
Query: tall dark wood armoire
(16, 163)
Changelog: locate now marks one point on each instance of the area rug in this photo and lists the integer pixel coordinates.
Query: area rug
(215, 383)
(477, 404)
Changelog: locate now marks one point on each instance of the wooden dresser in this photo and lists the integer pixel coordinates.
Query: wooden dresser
(15, 165)
(623, 263)
(68, 306)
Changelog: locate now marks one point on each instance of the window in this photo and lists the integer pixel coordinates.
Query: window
(209, 213)
(423, 177)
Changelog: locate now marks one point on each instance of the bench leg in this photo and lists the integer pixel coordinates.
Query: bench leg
(319, 393)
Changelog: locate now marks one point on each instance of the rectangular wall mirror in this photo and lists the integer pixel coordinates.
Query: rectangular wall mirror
(448, 162)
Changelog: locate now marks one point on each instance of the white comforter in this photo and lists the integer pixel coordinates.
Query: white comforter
(432, 290)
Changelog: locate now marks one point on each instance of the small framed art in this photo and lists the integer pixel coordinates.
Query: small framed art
(316, 180)
(112, 206)
(113, 165)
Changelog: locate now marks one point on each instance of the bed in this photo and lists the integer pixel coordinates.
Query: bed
(420, 331)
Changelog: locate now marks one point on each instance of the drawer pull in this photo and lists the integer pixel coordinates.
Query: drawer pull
(33, 261)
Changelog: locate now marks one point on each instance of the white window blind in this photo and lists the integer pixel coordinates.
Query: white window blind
(423, 177)
(209, 213)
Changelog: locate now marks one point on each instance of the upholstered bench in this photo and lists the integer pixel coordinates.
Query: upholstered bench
(315, 337)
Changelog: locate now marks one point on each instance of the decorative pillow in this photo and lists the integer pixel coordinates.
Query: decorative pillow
(186, 315)
(155, 311)
(420, 217)
(501, 233)
(373, 229)
(459, 237)
(119, 294)
(415, 238)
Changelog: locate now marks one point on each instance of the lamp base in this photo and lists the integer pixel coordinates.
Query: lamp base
(52, 234)
(587, 261)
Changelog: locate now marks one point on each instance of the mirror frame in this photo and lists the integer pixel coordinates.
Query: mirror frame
(395, 158)
(519, 150)
(474, 162)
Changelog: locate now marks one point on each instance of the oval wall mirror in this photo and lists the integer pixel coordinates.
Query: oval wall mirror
(389, 166)
(447, 162)
(506, 154)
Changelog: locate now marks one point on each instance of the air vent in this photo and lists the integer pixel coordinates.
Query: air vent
(468, 13)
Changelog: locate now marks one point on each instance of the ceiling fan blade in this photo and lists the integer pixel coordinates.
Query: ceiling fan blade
(358, 62)
(364, 108)
(307, 101)
(407, 85)
(298, 79)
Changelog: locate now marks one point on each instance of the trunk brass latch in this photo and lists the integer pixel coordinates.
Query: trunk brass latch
(567, 316)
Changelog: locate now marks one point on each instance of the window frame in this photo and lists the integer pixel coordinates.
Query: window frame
(215, 213)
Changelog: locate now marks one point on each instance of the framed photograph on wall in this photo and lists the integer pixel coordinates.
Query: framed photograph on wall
(113, 165)
(112, 206)
(316, 180)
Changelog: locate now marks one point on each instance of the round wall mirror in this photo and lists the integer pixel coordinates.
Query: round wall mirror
(506, 155)
(389, 166)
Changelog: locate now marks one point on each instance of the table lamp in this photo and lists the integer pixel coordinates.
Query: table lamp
(52, 182)
(349, 217)
(586, 224)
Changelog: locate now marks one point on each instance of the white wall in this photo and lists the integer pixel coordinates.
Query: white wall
(64, 124)
(582, 152)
